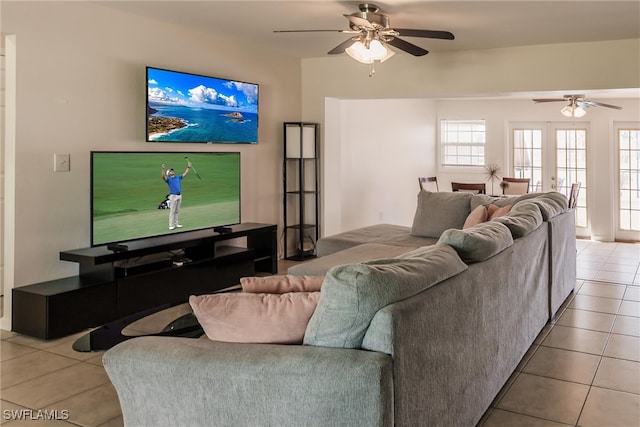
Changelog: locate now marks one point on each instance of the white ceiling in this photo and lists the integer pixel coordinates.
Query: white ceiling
(476, 24)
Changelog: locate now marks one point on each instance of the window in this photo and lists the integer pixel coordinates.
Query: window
(629, 170)
(463, 142)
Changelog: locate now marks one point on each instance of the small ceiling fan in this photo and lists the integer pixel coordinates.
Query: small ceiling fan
(371, 32)
(576, 104)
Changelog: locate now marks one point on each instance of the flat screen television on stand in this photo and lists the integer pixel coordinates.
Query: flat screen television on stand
(129, 197)
(184, 107)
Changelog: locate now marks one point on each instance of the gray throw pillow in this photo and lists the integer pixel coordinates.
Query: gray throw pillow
(551, 204)
(480, 242)
(352, 294)
(522, 219)
(437, 212)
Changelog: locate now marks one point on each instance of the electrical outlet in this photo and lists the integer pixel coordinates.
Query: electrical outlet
(61, 162)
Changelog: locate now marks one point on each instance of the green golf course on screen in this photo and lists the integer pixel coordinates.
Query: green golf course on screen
(129, 196)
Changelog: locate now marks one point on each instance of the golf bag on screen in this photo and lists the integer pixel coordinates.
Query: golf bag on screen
(165, 204)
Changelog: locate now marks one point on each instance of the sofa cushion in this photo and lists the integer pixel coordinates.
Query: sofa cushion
(437, 212)
(281, 284)
(387, 234)
(421, 252)
(486, 200)
(480, 242)
(483, 199)
(360, 253)
(352, 294)
(551, 204)
(523, 218)
(255, 318)
(477, 216)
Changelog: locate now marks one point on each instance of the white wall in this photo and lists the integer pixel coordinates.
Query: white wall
(81, 87)
(383, 146)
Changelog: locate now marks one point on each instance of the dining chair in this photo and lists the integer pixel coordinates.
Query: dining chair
(469, 188)
(428, 183)
(573, 195)
(515, 186)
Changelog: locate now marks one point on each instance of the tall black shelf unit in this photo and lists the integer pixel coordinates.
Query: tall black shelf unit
(301, 191)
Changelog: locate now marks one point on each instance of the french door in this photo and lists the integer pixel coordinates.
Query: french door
(553, 156)
(627, 202)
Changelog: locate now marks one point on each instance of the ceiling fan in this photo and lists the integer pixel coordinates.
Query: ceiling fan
(371, 32)
(576, 104)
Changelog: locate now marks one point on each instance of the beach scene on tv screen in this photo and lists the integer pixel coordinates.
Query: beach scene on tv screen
(129, 196)
(184, 107)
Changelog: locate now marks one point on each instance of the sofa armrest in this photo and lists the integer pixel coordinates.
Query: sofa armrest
(198, 382)
(562, 259)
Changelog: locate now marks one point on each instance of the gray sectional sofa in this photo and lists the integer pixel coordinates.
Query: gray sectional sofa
(418, 325)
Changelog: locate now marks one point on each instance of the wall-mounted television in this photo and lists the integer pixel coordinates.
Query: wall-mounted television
(129, 196)
(184, 107)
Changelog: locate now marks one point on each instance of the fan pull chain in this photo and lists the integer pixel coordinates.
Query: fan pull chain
(372, 71)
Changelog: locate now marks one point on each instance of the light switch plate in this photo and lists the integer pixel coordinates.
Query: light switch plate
(61, 162)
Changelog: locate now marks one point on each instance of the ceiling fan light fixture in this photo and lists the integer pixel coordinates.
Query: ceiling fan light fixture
(573, 110)
(388, 54)
(579, 112)
(567, 111)
(359, 52)
(375, 52)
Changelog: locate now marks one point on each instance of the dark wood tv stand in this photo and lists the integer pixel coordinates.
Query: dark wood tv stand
(151, 272)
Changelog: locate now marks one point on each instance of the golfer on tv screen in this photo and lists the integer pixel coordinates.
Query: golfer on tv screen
(175, 193)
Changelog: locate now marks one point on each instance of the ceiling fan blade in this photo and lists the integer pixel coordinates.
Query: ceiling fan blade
(601, 104)
(315, 31)
(431, 34)
(408, 47)
(358, 22)
(549, 100)
(341, 47)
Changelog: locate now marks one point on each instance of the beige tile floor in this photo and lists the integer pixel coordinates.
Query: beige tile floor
(583, 369)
